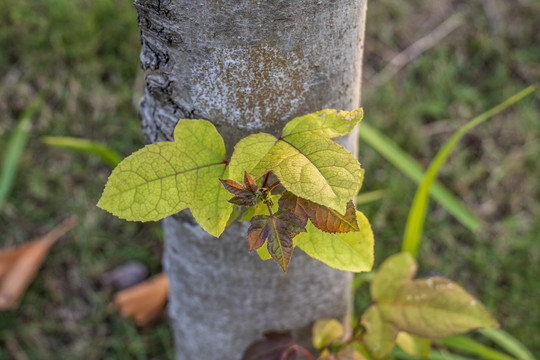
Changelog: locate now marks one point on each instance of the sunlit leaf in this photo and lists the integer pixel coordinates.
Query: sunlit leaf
(380, 336)
(349, 353)
(322, 217)
(163, 178)
(326, 331)
(304, 159)
(263, 253)
(413, 345)
(430, 308)
(352, 251)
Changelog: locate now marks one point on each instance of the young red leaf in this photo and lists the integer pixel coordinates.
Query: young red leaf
(246, 195)
(324, 218)
(278, 229)
(274, 346)
(249, 182)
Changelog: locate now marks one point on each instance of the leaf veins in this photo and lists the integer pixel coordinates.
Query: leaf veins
(279, 229)
(324, 218)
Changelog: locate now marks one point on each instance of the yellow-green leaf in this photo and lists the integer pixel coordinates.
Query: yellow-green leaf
(326, 331)
(352, 251)
(391, 275)
(413, 345)
(163, 178)
(435, 307)
(429, 308)
(304, 159)
(263, 253)
(380, 336)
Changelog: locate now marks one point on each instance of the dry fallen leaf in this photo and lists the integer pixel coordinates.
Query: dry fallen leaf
(19, 265)
(145, 302)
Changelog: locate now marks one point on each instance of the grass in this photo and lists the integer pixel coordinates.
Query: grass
(82, 56)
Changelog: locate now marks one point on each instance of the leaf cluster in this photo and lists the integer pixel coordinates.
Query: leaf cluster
(318, 179)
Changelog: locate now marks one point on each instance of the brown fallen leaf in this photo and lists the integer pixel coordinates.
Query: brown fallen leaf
(145, 302)
(19, 265)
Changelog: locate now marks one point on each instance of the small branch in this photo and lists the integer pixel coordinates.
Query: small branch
(271, 187)
(266, 177)
(416, 49)
(298, 348)
(303, 351)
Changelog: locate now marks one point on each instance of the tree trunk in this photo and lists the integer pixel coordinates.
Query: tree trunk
(247, 66)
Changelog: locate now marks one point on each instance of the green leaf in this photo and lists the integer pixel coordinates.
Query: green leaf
(410, 168)
(394, 272)
(108, 155)
(430, 308)
(352, 251)
(325, 332)
(277, 230)
(417, 213)
(263, 253)
(163, 178)
(380, 336)
(349, 353)
(413, 345)
(304, 159)
(322, 217)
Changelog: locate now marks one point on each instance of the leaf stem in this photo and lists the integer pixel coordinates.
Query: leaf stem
(269, 206)
(266, 177)
(296, 347)
(271, 187)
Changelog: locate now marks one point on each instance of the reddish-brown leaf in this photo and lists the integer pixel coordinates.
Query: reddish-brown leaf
(19, 265)
(274, 346)
(145, 302)
(322, 217)
(245, 195)
(278, 229)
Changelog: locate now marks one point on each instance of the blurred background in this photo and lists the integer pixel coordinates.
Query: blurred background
(429, 66)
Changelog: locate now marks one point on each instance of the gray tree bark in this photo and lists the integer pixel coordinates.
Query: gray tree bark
(247, 66)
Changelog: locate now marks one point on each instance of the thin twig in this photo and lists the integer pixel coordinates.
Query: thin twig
(13, 347)
(416, 49)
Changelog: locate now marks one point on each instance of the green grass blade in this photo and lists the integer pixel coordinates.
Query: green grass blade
(15, 148)
(471, 347)
(109, 156)
(508, 343)
(417, 213)
(371, 196)
(410, 167)
(434, 355)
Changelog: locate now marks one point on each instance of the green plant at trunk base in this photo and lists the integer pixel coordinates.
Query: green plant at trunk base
(316, 179)
(404, 311)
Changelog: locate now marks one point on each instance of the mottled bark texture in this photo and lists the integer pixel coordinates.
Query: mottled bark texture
(247, 66)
